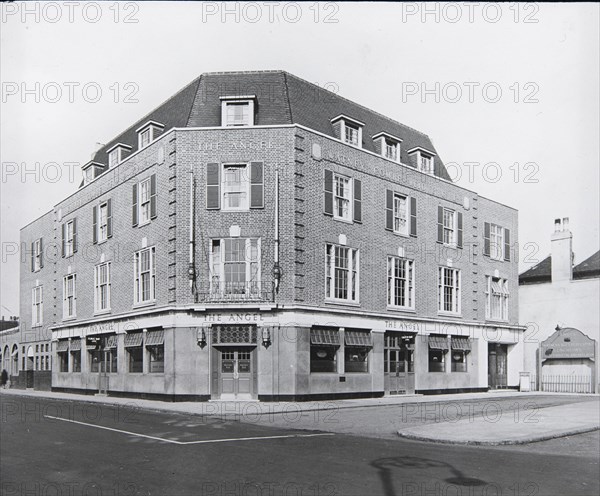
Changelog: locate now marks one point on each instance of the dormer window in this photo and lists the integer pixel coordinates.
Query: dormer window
(348, 130)
(237, 111)
(116, 154)
(148, 133)
(91, 171)
(423, 159)
(388, 146)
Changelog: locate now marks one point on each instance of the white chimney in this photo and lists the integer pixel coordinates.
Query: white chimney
(562, 251)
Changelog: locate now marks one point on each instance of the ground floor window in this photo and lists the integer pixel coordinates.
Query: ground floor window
(461, 346)
(155, 343)
(324, 345)
(438, 347)
(76, 360)
(135, 351)
(63, 361)
(357, 345)
(104, 361)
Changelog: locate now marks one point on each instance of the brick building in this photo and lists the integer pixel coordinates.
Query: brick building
(256, 236)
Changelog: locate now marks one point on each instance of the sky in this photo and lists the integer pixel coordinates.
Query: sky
(509, 93)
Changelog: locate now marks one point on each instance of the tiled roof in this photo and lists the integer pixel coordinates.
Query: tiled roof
(282, 98)
(542, 272)
(590, 267)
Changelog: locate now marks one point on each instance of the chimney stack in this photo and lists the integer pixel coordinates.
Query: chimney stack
(562, 251)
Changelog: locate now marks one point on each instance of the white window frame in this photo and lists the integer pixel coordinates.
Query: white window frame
(244, 192)
(227, 103)
(450, 229)
(455, 290)
(409, 281)
(397, 217)
(114, 158)
(352, 268)
(37, 306)
(102, 223)
(88, 175)
(356, 131)
(144, 204)
(69, 238)
(425, 163)
(145, 137)
(37, 255)
(253, 268)
(69, 296)
(98, 287)
(346, 200)
(138, 288)
(386, 145)
(496, 242)
(496, 300)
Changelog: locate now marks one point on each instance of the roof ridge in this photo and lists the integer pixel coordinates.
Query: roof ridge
(187, 122)
(361, 106)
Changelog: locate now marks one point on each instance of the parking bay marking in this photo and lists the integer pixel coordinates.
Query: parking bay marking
(204, 441)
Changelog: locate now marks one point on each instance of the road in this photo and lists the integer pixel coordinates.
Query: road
(70, 448)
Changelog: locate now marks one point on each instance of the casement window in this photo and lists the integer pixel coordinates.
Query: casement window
(88, 175)
(351, 134)
(391, 150)
(145, 275)
(450, 227)
(422, 159)
(324, 345)
(343, 197)
(37, 255)
(144, 138)
(148, 133)
(438, 348)
(113, 158)
(426, 164)
(144, 201)
(115, 154)
(235, 267)
(449, 290)
(155, 344)
(234, 187)
(69, 296)
(401, 283)
(496, 242)
(460, 349)
(69, 238)
(37, 307)
(102, 221)
(135, 351)
(357, 346)
(496, 298)
(102, 287)
(236, 112)
(342, 273)
(348, 130)
(401, 213)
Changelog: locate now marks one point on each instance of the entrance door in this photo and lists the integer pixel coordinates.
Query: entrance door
(497, 361)
(235, 370)
(398, 364)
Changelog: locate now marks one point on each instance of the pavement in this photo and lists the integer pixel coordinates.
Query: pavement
(492, 418)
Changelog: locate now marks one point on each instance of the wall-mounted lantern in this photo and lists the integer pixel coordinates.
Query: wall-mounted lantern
(266, 337)
(201, 338)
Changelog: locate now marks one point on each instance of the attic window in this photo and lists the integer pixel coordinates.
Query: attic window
(116, 154)
(91, 171)
(423, 158)
(348, 130)
(388, 145)
(148, 133)
(237, 111)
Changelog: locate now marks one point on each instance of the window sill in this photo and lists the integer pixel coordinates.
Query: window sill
(102, 241)
(102, 312)
(144, 304)
(497, 321)
(450, 314)
(37, 325)
(69, 319)
(401, 309)
(145, 223)
(340, 219)
(400, 234)
(332, 301)
(246, 209)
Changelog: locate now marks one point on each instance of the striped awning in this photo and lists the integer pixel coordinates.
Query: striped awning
(329, 337)
(62, 346)
(438, 343)
(75, 345)
(498, 288)
(133, 339)
(155, 338)
(358, 338)
(111, 342)
(461, 343)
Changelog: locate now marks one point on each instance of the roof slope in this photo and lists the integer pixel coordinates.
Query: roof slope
(590, 267)
(282, 98)
(542, 272)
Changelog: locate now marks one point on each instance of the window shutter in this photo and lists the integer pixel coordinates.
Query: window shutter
(33, 257)
(389, 210)
(109, 218)
(134, 205)
(357, 201)
(64, 240)
(213, 193)
(41, 253)
(256, 185)
(153, 196)
(75, 235)
(413, 216)
(459, 230)
(328, 187)
(507, 245)
(486, 239)
(440, 236)
(95, 224)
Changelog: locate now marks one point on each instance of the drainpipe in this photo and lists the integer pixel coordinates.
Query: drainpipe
(191, 267)
(276, 268)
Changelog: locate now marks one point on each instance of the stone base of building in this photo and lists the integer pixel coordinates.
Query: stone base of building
(452, 390)
(320, 397)
(173, 398)
(40, 380)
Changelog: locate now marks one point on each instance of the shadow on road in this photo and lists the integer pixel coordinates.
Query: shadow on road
(387, 466)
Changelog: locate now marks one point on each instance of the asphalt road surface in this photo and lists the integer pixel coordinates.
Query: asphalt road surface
(50, 447)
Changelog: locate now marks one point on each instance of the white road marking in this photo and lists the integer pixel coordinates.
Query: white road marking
(173, 441)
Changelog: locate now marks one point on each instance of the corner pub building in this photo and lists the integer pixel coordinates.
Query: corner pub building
(259, 237)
